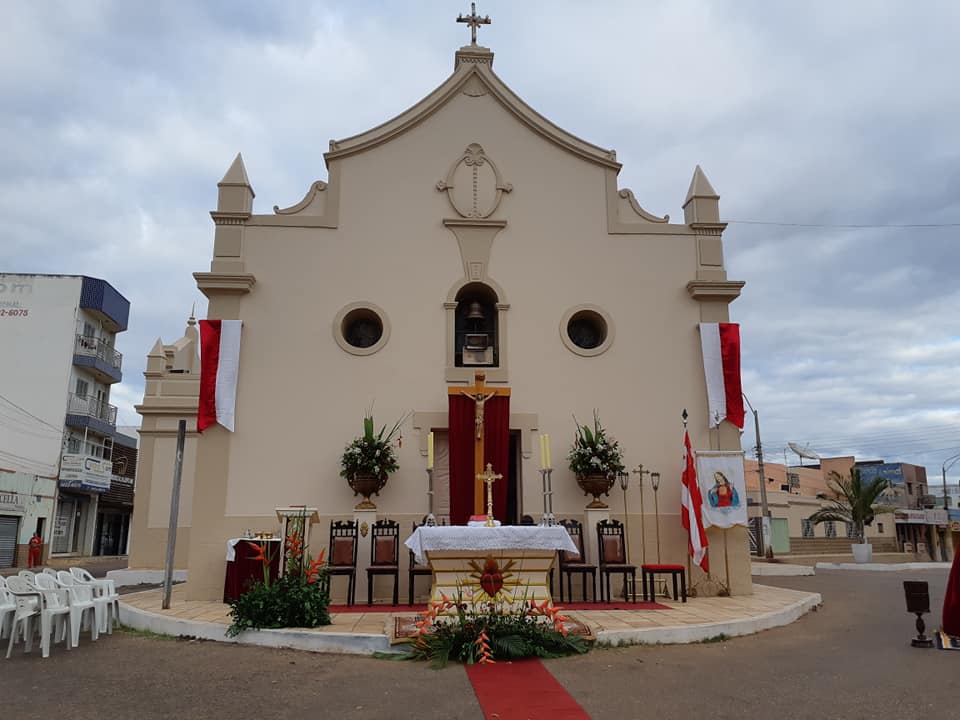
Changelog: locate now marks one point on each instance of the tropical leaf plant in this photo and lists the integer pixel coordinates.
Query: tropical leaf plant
(855, 501)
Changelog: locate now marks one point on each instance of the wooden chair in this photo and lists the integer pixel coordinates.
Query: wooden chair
(675, 571)
(343, 555)
(613, 556)
(384, 555)
(415, 570)
(571, 564)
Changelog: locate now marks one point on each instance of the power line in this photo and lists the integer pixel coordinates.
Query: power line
(843, 226)
(27, 412)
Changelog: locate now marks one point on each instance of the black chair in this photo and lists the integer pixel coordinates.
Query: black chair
(343, 555)
(613, 556)
(415, 570)
(571, 564)
(384, 555)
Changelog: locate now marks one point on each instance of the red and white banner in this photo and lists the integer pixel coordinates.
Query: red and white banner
(219, 361)
(720, 343)
(691, 502)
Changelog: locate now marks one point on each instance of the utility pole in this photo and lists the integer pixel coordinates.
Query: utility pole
(174, 515)
(764, 508)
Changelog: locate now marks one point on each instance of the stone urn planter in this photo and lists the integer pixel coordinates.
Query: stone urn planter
(366, 485)
(595, 484)
(862, 553)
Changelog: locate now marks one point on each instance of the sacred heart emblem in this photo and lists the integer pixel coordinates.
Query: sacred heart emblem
(491, 575)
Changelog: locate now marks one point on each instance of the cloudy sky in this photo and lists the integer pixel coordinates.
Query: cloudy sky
(117, 119)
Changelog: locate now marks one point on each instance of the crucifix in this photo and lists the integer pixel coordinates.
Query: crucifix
(489, 477)
(479, 393)
(474, 21)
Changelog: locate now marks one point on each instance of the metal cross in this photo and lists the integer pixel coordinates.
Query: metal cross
(474, 21)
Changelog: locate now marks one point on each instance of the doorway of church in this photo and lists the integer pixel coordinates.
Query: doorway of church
(514, 497)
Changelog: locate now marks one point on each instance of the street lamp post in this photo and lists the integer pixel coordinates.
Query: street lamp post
(764, 508)
(947, 464)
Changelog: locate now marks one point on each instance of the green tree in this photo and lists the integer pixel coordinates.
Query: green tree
(855, 501)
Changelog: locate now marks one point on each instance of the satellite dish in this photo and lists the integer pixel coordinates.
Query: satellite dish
(803, 452)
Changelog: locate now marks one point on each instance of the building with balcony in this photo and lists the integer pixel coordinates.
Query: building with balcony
(59, 444)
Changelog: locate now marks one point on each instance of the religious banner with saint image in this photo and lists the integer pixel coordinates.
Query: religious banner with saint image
(479, 419)
(723, 487)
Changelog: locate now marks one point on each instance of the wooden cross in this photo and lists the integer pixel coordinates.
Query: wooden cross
(474, 21)
(489, 477)
(479, 393)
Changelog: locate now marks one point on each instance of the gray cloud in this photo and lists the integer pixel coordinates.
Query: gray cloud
(118, 119)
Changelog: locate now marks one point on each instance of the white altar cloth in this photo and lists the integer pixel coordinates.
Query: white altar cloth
(506, 537)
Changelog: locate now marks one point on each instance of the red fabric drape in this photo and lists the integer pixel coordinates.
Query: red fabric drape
(730, 350)
(461, 438)
(496, 450)
(209, 360)
(950, 622)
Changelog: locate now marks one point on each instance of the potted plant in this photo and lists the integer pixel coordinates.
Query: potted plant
(855, 503)
(595, 459)
(368, 460)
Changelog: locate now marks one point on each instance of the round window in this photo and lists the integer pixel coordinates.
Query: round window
(361, 328)
(586, 330)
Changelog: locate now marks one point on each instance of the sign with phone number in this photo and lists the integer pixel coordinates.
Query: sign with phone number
(14, 313)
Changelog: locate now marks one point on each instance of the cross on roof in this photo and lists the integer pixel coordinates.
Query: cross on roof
(474, 21)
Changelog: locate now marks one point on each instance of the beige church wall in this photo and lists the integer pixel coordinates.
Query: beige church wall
(301, 397)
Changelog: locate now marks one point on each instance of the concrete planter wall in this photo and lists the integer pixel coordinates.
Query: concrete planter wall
(862, 553)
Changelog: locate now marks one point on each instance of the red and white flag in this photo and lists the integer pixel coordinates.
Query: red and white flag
(691, 502)
(219, 360)
(720, 343)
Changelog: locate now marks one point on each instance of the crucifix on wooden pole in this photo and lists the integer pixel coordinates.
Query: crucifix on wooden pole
(479, 393)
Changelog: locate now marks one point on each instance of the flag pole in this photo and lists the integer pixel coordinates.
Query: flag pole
(683, 417)
(726, 558)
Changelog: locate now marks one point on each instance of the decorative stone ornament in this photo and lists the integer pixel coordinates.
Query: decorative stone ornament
(474, 185)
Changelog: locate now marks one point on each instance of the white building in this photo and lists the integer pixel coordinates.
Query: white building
(57, 426)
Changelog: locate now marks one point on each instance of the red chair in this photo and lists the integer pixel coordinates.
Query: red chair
(343, 555)
(415, 571)
(675, 571)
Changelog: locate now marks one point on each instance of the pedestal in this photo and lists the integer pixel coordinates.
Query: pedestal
(365, 520)
(591, 516)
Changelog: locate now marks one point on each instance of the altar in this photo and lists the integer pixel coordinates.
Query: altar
(509, 564)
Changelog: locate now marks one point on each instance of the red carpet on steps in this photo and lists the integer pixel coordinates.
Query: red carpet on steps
(413, 609)
(522, 690)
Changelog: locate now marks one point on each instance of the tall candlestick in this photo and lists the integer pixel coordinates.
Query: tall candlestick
(546, 444)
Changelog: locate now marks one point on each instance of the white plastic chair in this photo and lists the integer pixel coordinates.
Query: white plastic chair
(79, 602)
(101, 603)
(8, 608)
(104, 587)
(27, 575)
(33, 601)
(51, 572)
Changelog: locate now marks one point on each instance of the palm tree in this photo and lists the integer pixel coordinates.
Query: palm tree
(855, 501)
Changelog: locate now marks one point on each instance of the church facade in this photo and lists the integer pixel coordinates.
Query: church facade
(467, 234)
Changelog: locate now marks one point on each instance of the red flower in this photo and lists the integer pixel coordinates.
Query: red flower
(261, 553)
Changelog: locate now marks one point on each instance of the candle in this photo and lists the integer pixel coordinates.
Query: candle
(430, 450)
(543, 455)
(546, 453)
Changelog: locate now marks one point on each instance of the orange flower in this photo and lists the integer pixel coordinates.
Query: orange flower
(261, 553)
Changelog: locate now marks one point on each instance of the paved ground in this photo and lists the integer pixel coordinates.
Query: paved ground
(852, 659)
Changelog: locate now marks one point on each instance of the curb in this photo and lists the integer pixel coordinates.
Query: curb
(327, 642)
(780, 570)
(884, 567)
(123, 578)
(707, 631)
(367, 644)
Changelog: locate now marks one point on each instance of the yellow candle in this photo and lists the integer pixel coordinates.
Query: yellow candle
(430, 451)
(543, 454)
(546, 444)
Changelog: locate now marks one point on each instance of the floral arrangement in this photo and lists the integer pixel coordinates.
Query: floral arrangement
(371, 454)
(594, 452)
(484, 630)
(297, 599)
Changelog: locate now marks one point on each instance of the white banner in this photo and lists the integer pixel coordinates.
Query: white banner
(722, 484)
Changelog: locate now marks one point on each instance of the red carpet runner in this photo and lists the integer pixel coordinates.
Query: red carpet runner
(522, 690)
(414, 609)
